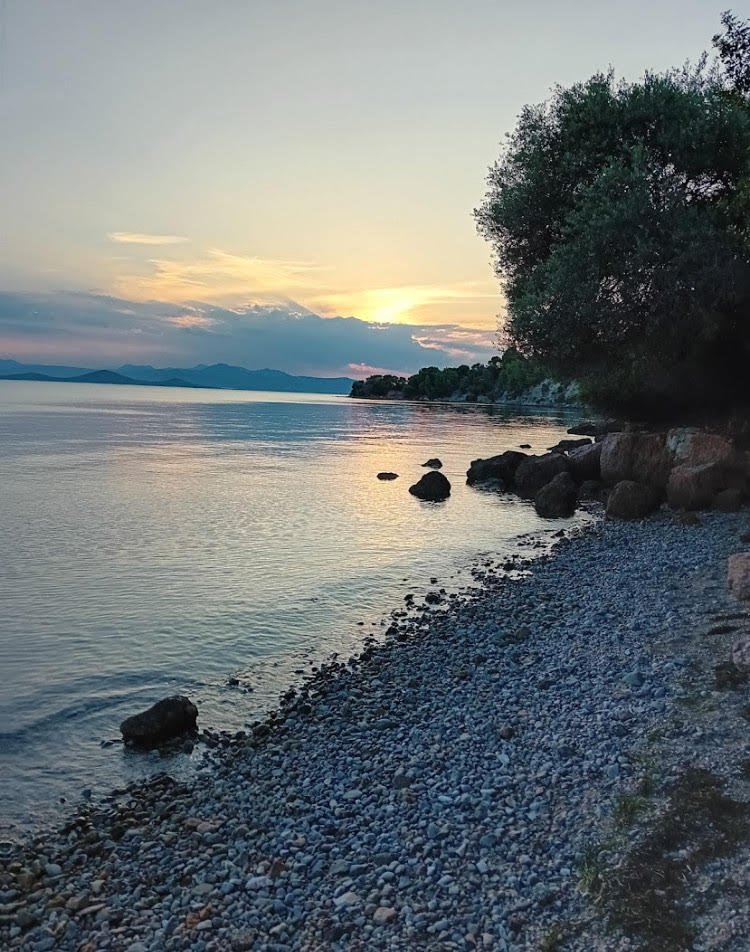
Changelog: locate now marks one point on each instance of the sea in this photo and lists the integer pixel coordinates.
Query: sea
(218, 544)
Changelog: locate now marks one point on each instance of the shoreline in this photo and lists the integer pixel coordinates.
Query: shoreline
(434, 768)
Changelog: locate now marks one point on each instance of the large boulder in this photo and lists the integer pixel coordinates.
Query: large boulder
(536, 471)
(694, 487)
(637, 457)
(433, 486)
(632, 500)
(585, 462)
(557, 498)
(693, 447)
(502, 466)
(164, 721)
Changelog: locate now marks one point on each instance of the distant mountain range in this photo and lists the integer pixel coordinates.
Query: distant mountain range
(220, 376)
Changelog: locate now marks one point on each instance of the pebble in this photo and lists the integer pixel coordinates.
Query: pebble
(392, 804)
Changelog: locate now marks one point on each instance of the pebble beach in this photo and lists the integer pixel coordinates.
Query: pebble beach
(458, 785)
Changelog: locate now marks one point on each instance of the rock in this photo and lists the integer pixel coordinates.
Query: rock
(534, 472)
(565, 446)
(728, 500)
(687, 519)
(387, 475)
(433, 463)
(738, 575)
(165, 720)
(631, 500)
(741, 654)
(524, 446)
(383, 915)
(639, 457)
(694, 487)
(557, 498)
(432, 486)
(693, 447)
(502, 467)
(346, 900)
(585, 462)
(590, 428)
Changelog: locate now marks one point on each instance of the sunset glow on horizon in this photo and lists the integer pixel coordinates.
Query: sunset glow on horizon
(304, 158)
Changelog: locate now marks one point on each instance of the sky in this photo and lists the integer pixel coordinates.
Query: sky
(190, 181)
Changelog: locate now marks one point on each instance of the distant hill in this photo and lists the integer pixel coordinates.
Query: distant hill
(221, 376)
(99, 376)
(239, 378)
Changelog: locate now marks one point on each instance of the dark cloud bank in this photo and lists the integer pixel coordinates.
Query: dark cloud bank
(95, 330)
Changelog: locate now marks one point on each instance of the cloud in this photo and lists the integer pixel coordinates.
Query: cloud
(91, 329)
(218, 277)
(223, 279)
(138, 238)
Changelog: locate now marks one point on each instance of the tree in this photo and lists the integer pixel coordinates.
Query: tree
(619, 219)
(733, 46)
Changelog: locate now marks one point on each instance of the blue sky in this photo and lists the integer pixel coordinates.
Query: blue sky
(218, 167)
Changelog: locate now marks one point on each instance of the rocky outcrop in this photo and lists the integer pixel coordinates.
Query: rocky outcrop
(433, 486)
(387, 476)
(433, 463)
(632, 500)
(502, 466)
(585, 462)
(534, 472)
(166, 720)
(558, 498)
(637, 457)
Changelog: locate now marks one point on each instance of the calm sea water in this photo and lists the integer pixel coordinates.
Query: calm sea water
(158, 541)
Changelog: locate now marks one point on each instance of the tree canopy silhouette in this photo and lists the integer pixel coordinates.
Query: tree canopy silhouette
(619, 219)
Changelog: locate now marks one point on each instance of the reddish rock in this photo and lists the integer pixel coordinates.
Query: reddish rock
(693, 447)
(536, 471)
(632, 500)
(694, 487)
(585, 462)
(738, 575)
(558, 498)
(638, 457)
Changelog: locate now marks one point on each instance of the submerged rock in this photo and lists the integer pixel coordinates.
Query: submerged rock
(432, 486)
(433, 463)
(167, 719)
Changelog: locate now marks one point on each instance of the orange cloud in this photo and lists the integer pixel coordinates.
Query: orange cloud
(139, 238)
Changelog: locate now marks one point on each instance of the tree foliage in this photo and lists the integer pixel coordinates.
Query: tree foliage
(619, 218)
(508, 375)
